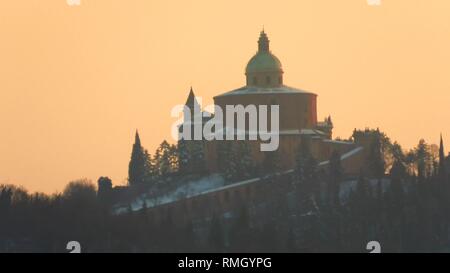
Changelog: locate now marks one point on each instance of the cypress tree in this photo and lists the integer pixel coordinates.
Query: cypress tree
(136, 168)
(442, 168)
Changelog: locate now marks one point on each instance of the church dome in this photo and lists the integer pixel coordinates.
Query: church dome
(264, 69)
(263, 62)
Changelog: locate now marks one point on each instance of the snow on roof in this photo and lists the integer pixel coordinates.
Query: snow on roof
(339, 142)
(352, 153)
(237, 131)
(344, 156)
(248, 90)
(311, 132)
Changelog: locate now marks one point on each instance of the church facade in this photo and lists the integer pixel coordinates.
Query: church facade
(298, 122)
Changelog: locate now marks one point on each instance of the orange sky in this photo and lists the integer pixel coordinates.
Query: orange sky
(76, 81)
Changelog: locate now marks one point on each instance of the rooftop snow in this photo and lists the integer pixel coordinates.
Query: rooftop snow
(339, 142)
(248, 90)
(270, 133)
(344, 156)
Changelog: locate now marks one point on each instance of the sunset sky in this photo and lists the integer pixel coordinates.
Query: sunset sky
(76, 81)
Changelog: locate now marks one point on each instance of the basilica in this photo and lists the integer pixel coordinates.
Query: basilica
(298, 122)
(206, 190)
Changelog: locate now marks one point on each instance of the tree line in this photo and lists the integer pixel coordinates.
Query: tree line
(401, 199)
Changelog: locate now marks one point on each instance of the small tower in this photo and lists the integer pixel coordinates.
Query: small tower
(192, 151)
(190, 118)
(326, 126)
(442, 159)
(192, 104)
(263, 42)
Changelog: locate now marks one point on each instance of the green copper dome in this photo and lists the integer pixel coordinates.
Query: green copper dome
(264, 60)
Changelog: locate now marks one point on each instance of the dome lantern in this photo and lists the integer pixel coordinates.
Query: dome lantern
(263, 42)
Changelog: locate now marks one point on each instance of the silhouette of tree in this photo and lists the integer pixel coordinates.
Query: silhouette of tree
(136, 169)
(105, 191)
(166, 159)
